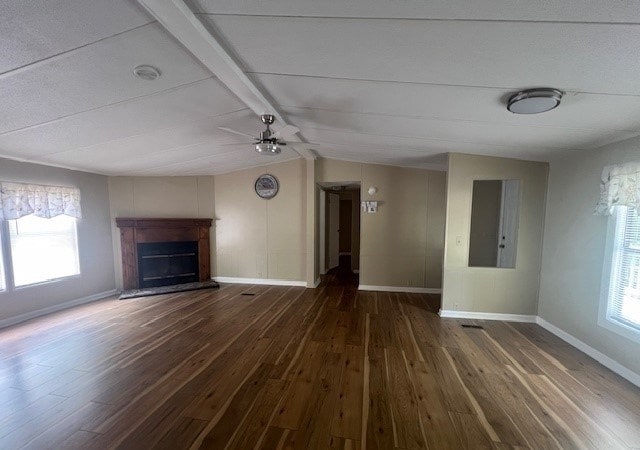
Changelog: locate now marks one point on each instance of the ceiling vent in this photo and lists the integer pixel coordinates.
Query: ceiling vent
(147, 73)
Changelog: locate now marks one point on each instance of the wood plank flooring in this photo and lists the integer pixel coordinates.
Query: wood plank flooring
(295, 368)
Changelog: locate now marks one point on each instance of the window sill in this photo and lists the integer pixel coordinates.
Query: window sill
(47, 282)
(620, 329)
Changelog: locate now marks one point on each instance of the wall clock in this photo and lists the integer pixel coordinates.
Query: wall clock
(266, 186)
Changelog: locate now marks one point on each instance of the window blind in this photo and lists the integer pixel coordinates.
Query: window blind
(623, 304)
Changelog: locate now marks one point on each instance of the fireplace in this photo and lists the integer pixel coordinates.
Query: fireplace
(166, 263)
(161, 252)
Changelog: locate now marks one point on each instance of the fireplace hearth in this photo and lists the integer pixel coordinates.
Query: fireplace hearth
(162, 252)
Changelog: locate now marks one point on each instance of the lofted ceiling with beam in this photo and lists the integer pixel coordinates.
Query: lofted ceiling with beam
(377, 81)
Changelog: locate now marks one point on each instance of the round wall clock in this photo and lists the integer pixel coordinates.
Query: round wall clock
(266, 186)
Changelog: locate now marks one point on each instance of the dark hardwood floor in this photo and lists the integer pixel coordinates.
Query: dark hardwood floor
(295, 368)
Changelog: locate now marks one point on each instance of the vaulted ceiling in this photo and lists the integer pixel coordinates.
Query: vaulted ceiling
(377, 81)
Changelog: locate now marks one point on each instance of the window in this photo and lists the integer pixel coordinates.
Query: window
(621, 311)
(43, 249)
(3, 283)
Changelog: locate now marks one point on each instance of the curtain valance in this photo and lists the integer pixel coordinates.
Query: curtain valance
(20, 199)
(620, 185)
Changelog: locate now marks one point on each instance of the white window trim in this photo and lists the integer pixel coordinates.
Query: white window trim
(3, 260)
(603, 321)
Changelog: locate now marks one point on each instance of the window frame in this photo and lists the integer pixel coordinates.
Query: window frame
(7, 257)
(604, 321)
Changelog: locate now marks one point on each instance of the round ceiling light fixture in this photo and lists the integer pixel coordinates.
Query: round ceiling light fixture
(534, 101)
(147, 73)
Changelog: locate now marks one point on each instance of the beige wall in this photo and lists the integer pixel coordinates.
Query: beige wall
(493, 290)
(574, 246)
(94, 242)
(259, 238)
(158, 197)
(312, 241)
(436, 210)
(256, 238)
(400, 245)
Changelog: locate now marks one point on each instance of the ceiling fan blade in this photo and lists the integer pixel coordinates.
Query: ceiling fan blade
(239, 133)
(285, 132)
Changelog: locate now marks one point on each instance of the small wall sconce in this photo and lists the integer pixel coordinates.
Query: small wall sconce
(370, 206)
(372, 190)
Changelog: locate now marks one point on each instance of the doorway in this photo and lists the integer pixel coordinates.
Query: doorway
(340, 228)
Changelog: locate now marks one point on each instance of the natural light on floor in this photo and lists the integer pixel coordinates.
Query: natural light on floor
(43, 249)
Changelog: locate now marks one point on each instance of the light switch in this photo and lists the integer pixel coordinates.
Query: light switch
(459, 241)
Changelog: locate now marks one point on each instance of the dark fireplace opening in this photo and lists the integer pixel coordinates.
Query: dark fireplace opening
(166, 263)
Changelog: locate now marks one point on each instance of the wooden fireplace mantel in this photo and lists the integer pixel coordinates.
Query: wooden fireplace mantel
(134, 230)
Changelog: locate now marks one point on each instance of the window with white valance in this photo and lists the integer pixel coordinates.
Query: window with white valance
(21, 199)
(619, 186)
(39, 224)
(620, 299)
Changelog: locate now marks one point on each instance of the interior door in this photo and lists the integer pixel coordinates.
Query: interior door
(334, 230)
(508, 236)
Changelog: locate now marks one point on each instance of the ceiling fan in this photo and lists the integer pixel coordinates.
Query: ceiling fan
(269, 142)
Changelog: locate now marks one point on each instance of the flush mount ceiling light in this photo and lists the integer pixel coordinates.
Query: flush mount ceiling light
(147, 73)
(267, 148)
(534, 101)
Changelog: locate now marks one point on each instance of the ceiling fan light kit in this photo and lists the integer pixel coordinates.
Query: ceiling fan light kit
(534, 101)
(268, 143)
(267, 148)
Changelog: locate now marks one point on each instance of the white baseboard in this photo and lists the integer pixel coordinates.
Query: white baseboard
(316, 283)
(595, 354)
(55, 308)
(487, 316)
(268, 281)
(409, 289)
